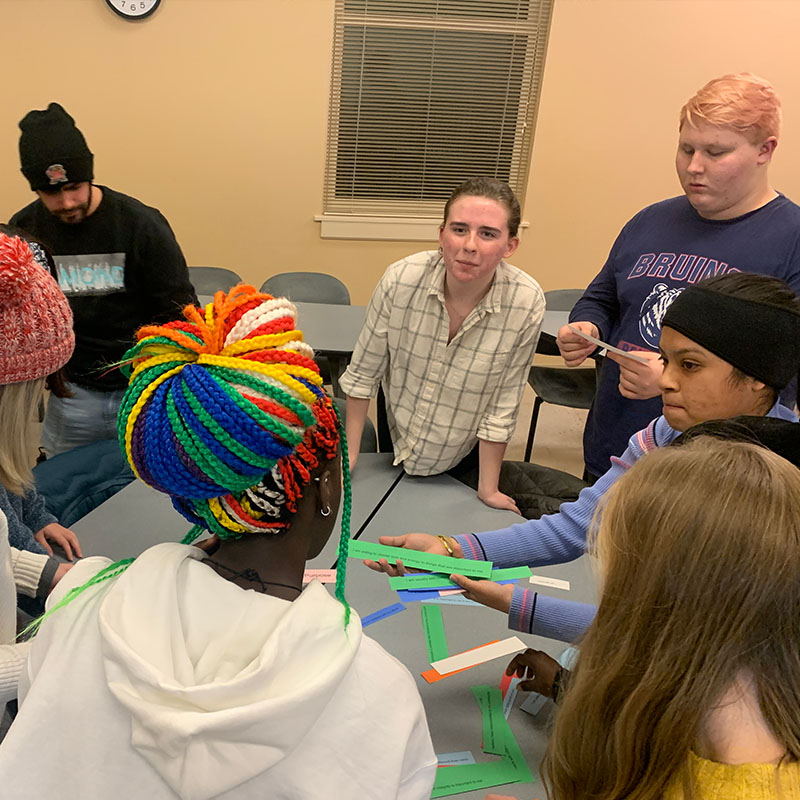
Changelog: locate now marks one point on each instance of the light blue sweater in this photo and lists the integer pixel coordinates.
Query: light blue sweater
(558, 538)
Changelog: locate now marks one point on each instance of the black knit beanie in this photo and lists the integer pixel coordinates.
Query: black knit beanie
(52, 150)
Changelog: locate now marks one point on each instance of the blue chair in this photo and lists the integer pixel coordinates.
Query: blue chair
(369, 440)
(308, 287)
(208, 280)
(314, 287)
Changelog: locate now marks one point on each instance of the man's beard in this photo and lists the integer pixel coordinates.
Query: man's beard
(74, 215)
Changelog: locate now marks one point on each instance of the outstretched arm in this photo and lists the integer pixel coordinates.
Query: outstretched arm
(355, 417)
(490, 459)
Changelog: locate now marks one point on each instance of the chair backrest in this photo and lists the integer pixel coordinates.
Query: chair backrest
(207, 280)
(562, 299)
(308, 287)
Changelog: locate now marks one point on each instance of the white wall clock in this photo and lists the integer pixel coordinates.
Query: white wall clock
(134, 9)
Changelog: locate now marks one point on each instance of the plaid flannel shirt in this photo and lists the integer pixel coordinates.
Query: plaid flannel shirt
(443, 396)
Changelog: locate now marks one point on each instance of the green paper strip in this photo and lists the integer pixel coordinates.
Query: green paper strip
(490, 702)
(512, 768)
(433, 625)
(505, 739)
(471, 777)
(419, 560)
(436, 581)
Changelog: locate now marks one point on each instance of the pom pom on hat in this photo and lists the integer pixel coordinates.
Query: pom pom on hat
(36, 336)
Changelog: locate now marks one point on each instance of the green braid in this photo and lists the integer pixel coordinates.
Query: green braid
(111, 571)
(347, 504)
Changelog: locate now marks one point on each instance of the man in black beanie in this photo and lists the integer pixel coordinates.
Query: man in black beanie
(118, 263)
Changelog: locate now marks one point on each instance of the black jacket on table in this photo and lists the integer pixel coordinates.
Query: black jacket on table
(120, 268)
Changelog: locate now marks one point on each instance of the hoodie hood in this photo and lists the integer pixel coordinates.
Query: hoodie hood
(221, 683)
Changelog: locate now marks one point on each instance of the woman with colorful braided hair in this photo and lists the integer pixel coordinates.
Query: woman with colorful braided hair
(35, 339)
(209, 671)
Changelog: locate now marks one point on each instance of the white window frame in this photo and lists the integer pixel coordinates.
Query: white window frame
(418, 220)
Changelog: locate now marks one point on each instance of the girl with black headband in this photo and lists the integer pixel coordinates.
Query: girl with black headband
(729, 344)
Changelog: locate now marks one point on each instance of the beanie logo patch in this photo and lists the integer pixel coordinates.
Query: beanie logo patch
(56, 173)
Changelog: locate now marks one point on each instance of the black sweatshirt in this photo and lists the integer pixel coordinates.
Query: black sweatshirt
(120, 268)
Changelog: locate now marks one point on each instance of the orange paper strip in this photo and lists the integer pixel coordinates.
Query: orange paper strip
(431, 675)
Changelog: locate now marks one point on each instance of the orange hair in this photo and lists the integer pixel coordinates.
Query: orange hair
(742, 101)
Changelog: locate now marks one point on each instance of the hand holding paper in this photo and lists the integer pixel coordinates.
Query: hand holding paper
(638, 355)
(488, 593)
(423, 542)
(538, 668)
(638, 380)
(574, 348)
(419, 559)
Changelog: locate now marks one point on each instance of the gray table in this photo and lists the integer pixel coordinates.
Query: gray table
(139, 517)
(442, 505)
(330, 328)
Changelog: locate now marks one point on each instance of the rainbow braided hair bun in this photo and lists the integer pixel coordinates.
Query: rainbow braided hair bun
(225, 412)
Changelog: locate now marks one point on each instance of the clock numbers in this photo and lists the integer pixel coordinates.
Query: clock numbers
(133, 9)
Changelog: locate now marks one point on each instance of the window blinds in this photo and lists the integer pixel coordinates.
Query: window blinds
(427, 93)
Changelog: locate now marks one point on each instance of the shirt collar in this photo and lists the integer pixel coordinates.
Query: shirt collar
(491, 302)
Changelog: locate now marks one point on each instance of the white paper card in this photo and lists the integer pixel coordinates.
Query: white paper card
(511, 695)
(477, 656)
(607, 346)
(553, 583)
(533, 703)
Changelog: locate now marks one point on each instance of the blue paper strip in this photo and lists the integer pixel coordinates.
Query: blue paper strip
(452, 600)
(377, 616)
(452, 759)
(407, 596)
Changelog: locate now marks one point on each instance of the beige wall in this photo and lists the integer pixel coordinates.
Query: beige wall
(215, 111)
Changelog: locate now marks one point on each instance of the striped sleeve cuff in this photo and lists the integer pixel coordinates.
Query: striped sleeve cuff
(523, 608)
(12, 662)
(564, 620)
(471, 546)
(28, 568)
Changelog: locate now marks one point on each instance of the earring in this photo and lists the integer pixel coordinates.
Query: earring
(326, 512)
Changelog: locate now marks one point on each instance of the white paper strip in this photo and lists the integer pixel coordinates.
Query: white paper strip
(553, 583)
(477, 656)
(511, 695)
(533, 703)
(607, 346)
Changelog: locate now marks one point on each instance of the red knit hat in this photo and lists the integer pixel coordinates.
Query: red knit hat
(36, 335)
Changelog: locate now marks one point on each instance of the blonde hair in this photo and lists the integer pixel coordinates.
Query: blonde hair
(743, 101)
(18, 404)
(700, 547)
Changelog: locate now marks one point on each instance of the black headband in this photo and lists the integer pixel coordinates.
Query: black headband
(761, 340)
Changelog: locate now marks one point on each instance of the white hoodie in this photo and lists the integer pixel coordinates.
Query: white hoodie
(18, 571)
(170, 681)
